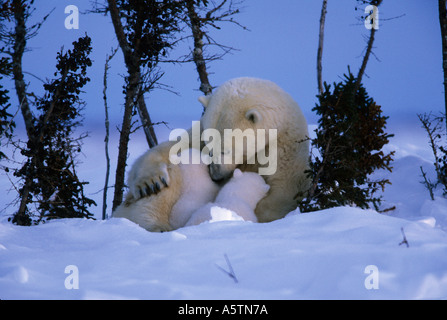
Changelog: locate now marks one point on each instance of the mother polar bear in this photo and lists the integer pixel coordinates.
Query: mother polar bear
(240, 103)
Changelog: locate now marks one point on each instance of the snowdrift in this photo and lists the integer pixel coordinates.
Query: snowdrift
(321, 255)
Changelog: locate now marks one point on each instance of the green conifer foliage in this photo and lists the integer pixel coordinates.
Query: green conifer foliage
(50, 169)
(349, 142)
(7, 123)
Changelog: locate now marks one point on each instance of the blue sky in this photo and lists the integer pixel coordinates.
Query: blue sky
(280, 46)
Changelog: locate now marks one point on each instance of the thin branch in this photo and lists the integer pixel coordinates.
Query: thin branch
(106, 139)
(404, 241)
(365, 58)
(33, 75)
(367, 53)
(427, 183)
(433, 134)
(197, 53)
(217, 8)
(315, 181)
(320, 47)
(443, 25)
(198, 18)
(229, 273)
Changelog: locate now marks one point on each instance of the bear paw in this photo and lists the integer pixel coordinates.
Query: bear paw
(150, 181)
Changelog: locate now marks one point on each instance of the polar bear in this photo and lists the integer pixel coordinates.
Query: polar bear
(238, 197)
(242, 103)
(172, 207)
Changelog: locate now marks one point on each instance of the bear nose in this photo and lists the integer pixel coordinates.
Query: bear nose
(215, 172)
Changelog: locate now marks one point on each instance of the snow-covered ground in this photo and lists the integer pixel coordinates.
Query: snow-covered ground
(342, 253)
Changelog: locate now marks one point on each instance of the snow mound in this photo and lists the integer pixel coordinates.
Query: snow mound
(222, 214)
(320, 255)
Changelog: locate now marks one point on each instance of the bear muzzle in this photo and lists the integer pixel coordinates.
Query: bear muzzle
(219, 172)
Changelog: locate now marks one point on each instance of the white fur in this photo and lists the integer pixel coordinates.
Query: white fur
(237, 198)
(197, 190)
(228, 107)
(190, 188)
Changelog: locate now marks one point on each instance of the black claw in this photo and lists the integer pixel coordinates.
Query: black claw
(148, 190)
(157, 187)
(163, 180)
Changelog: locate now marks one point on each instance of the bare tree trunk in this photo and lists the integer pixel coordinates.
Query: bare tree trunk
(20, 86)
(320, 47)
(146, 122)
(19, 48)
(443, 24)
(197, 54)
(134, 97)
(124, 140)
(365, 58)
(367, 53)
(119, 31)
(106, 139)
(132, 62)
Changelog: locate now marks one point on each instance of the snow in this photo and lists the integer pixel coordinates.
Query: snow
(319, 255)
(222, 214)
(341, 253)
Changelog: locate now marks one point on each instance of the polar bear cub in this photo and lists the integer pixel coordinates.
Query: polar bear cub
(236, 200)
(197, 189)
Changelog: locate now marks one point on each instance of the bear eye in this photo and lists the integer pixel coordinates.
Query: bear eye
(253, 116)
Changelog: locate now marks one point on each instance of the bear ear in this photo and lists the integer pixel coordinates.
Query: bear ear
(253, 116)
(266, 188)
(237, 173)
(204, 100)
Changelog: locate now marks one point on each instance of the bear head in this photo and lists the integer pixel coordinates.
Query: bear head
(250, 114)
